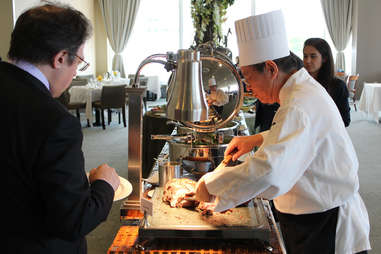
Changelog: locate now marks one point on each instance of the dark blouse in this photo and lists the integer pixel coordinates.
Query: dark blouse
(264, 114)
(340, 95)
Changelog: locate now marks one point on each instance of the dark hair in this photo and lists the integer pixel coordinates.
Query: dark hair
(326, 73)
(285, 64)
(41, 32)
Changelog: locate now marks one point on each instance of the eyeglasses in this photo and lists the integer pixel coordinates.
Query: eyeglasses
(83, 65)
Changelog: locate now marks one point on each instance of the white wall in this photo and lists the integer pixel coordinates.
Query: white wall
(85, 6)
(21, 5)
(101, 48)
(6, 26)
(368, 48)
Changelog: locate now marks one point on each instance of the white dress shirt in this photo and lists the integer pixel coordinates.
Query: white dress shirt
(307, 164)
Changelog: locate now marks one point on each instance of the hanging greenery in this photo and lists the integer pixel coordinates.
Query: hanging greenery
(208, 15)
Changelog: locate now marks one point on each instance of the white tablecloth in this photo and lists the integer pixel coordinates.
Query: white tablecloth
(90, 93)
(370, 100)
(153, 85)
(86, 94)
(115, 82)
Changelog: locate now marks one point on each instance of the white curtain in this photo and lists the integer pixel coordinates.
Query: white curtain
(119, 18)
(338, 17)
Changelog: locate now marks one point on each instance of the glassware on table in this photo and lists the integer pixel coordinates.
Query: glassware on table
(107, 76)
(115, 74)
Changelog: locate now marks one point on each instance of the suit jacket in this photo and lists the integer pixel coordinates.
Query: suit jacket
(50, 206)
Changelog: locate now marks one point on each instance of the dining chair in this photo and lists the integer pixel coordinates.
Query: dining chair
(341, 75)
(65, 100)
(65, 96)
(112, 97)
(79, 82)
(352, 88)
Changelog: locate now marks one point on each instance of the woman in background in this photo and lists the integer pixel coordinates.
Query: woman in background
(318, 60)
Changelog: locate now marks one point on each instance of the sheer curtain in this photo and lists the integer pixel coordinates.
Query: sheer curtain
(156, 33)
(119, 18)
(338, 17)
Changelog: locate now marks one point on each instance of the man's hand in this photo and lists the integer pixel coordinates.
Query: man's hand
(106, 173)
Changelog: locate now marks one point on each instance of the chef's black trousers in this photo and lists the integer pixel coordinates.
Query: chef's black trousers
(310, 233)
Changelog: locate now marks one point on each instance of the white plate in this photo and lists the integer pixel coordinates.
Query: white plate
(124, 189)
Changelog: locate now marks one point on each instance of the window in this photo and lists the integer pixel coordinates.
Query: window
(239, 10)
(160, 26)
(304, 19)
(166, 25)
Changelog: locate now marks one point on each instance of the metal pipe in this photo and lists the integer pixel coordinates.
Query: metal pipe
(146, 61)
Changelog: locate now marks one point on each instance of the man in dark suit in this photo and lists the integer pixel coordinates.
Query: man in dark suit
(49, 204)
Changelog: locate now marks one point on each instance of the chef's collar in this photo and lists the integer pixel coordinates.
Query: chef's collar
(301, 74)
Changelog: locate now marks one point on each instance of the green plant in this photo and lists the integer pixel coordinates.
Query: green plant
(208, 15)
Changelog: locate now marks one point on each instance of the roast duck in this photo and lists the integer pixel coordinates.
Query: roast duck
(180, 192)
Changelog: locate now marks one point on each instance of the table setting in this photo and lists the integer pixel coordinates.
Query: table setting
(92, 91)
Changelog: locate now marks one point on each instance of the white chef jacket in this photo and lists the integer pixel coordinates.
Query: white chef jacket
(307, 164)
(219, 97)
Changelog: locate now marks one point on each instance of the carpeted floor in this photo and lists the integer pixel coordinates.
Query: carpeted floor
(106, 146)
(111, 146)
(366, 137)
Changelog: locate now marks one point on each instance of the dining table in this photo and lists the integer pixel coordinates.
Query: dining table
(370, 101)
(92, 92)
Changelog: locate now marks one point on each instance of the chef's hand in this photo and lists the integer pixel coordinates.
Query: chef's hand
(106, 173)
(202, 193)
(243, 144)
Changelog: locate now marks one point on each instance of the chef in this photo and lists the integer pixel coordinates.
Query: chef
(217, 96)
(305, 163)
